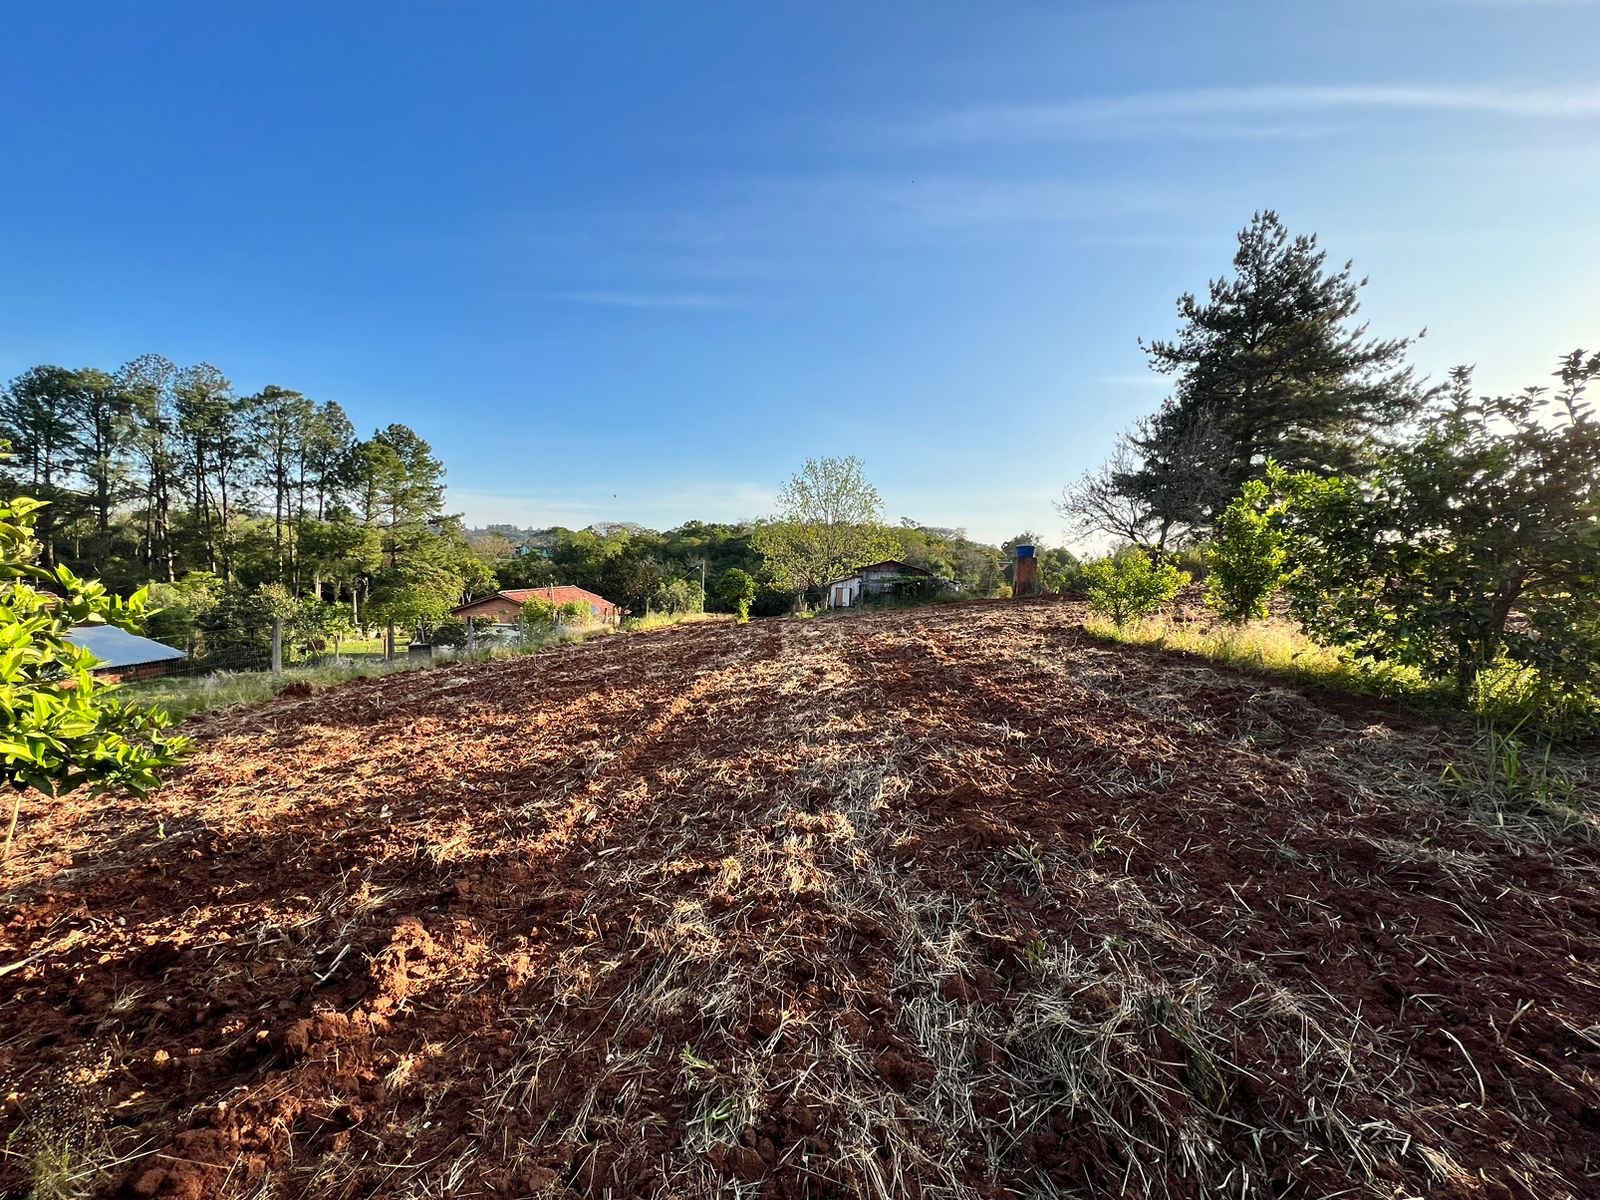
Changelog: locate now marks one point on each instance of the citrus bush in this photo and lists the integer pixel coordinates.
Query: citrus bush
(60, 727)
(1246, 557)
(1126, 586)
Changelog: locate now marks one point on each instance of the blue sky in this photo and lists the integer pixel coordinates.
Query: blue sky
(636, 262)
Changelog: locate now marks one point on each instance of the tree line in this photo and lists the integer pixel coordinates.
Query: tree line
(236, 508)
(645, 570)
(233, 503)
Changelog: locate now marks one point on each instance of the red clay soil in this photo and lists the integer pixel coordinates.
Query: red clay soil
(949, 902)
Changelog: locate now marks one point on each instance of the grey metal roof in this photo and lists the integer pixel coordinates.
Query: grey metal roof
(118, 648)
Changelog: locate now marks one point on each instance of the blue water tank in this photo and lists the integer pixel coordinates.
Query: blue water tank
(1024, 551)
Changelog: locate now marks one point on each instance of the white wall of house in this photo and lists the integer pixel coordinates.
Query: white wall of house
(842, 593)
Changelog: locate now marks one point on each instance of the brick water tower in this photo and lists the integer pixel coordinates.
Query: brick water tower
(1023, 569)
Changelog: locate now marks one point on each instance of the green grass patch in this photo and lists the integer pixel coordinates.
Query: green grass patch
(651, 621)
(185, 695)
(1276, 647)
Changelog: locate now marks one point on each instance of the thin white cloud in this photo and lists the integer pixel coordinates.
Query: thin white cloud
(1267, 111)
(659, 300)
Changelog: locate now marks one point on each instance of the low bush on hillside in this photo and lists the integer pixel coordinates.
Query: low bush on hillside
(1125, 586)
(1246, 557)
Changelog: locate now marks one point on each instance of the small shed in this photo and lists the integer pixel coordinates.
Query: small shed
(886, 578)
(123, 655)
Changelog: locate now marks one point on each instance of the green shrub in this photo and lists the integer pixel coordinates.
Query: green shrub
(1125, 586)
(676, 596)
(449, 633)
(60, 727)
(573, 612)
(1193, 561)
(737, 589)
(1469, 549)
(175, 608)
(1245, 559)
(235, 633)
(538, 614)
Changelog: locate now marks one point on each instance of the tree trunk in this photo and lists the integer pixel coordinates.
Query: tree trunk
(11, 829)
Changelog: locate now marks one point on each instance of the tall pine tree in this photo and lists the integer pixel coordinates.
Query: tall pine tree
(1272, 364)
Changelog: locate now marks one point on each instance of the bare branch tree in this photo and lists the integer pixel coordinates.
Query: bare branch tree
(1097, 503)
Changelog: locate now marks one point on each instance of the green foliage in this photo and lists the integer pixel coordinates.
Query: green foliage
(1059, 571)
(1125, 586)
(1516, 780)
(235, 633)
(1273, 364)
(1477, 544)
(321, 624)
(574, 612)
(677, 596)
(60, 727)
(974, 569)
(737, 590)
(175, 608)
(538, 615)
(830, 522)
(451, 633)
(1245, 559)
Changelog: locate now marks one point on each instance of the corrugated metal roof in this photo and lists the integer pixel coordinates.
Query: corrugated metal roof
(118, 648)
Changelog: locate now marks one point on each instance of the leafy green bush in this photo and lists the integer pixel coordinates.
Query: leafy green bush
(676, 596)
(737, 589)
(235, 633)
(449, 633)
(175, 608)
(1059, 572)
(573, 612)
(1129, 585)
(59, 726)
(1470, 549)
(321, 624)
(537, 615)
(1245, 560)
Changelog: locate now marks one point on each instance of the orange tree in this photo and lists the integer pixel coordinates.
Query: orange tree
(1474, 545)
(60, 727)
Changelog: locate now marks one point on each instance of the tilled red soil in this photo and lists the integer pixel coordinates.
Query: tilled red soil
(948, 902)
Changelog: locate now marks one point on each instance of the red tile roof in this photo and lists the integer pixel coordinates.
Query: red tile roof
(561, 594)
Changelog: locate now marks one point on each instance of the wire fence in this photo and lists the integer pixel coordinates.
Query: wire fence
(251, 650)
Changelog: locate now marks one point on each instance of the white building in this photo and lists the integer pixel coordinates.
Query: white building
(879, 579)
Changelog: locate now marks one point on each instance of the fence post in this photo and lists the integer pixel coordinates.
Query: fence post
(472, 640)
(277, 646)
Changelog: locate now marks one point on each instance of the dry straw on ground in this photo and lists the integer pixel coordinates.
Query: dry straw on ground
(943, 903)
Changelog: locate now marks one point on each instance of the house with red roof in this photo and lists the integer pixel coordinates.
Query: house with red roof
(503, 608)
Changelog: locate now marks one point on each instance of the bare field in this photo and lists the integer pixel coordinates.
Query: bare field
(951, 902)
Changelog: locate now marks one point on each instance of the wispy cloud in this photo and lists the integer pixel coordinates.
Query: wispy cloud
(667, 300)
(971, 201)
(1268, 111)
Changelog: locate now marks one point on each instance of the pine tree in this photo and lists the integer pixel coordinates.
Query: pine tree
(1271, 365)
